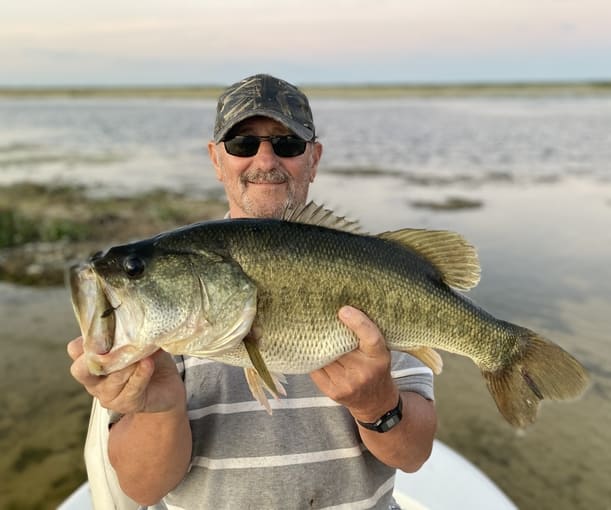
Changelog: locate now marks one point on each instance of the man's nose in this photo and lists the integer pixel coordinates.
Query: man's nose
(266, 154)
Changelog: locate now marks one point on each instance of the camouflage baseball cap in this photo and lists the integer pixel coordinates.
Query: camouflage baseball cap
(267, 96)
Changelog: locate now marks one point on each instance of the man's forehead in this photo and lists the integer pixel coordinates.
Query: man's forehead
(253, 124)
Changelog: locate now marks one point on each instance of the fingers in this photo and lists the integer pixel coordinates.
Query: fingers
(150, 385)
(371, 341)
(79, 369)
(163, 362)
(75, 348)
(321, 378)
(361, 378)
(130, 394)
(122, 391)
(110, 389)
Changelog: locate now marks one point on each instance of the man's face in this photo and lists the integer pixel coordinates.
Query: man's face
(263, 185)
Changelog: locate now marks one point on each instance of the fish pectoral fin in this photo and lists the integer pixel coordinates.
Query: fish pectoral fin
(430, 357)
(258, 363)
(260, 374)
(257, 387)
(450, 254)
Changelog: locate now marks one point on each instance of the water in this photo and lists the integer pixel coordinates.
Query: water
(131, 144)
(536, 171)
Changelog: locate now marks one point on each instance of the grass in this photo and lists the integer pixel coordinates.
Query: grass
(43, 227)
(17, 228)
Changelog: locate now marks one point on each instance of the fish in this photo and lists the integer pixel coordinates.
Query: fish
(263, 294)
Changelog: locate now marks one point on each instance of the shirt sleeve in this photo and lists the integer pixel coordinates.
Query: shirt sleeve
(410, 374)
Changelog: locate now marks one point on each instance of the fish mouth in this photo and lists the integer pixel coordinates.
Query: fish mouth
(107, 344)
(94, 311)
(116, 359)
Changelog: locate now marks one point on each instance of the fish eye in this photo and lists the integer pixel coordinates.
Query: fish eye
(133, 266)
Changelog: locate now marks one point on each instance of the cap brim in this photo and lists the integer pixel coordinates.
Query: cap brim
(300, 130)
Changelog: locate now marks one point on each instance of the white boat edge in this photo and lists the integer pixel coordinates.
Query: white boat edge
(449, 481)
(445, 480)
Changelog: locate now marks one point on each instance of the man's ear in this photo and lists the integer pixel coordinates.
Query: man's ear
(316, 155)
(214, 158)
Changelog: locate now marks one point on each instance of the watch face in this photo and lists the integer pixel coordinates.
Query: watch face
(390, 422)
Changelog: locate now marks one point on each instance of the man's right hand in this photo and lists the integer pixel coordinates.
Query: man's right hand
(150, 447)
(151, 385)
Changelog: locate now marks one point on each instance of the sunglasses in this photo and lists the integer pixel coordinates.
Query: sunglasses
(285, 146)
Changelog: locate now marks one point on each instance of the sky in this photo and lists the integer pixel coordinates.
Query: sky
(217, 42)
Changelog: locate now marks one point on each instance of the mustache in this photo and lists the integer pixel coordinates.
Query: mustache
(273, 176)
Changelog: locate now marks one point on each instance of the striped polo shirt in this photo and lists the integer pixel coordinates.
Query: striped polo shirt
(307, 454)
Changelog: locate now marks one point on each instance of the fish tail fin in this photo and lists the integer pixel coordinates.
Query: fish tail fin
(542, 370)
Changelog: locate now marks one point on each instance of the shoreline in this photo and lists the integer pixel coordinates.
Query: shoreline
(357, 90)
(44, 227)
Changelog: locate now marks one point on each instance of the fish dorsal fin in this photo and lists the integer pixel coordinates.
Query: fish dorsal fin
(451, 255)
(314, 214)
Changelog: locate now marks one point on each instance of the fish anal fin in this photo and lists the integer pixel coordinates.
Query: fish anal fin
(430, 357)
(448, 252)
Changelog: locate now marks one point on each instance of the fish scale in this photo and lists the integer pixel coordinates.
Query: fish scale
(339, 269)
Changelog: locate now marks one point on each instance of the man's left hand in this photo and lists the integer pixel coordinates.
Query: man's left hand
(360, 380)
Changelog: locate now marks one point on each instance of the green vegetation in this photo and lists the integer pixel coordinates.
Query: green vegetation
(16, 229)
(42, 228)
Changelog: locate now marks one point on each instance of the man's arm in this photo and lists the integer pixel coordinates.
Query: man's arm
(361, 381)
(150, 446)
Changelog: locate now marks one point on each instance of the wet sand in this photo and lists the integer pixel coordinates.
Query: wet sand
(44, 413)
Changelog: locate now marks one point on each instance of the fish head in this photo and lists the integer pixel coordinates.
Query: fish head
(136, 298)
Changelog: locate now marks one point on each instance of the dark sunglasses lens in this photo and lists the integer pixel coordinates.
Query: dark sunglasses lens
(243, 146)
(247, 146)
(288, 146)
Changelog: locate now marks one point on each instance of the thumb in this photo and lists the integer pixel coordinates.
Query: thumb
(371, 341)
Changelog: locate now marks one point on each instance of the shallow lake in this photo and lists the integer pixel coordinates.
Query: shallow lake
(526, 180)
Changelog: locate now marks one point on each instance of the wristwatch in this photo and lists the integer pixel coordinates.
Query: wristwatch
(387, 421)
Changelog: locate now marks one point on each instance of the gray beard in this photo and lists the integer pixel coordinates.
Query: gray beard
(259, 176)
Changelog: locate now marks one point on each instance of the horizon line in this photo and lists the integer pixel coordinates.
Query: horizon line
(337, 84)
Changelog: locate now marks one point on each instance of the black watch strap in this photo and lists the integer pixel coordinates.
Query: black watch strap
(387, 421)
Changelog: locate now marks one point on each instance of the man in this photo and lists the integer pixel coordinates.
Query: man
(185, 433)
